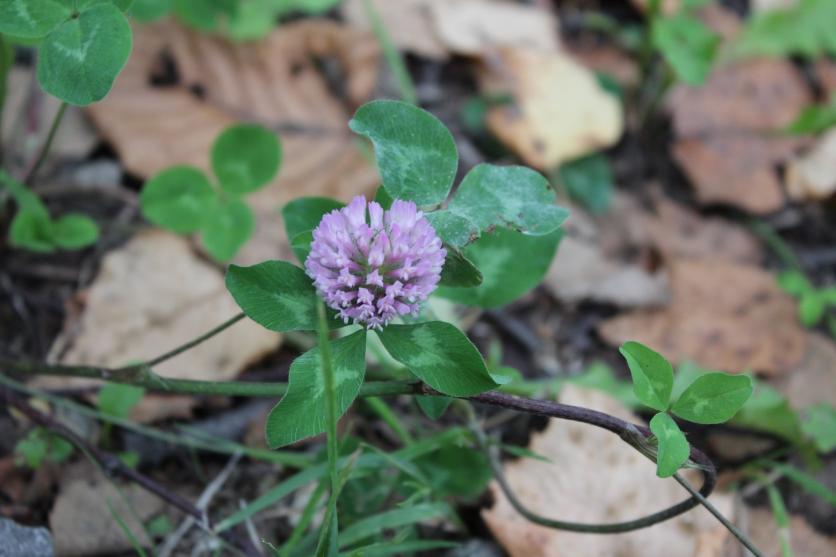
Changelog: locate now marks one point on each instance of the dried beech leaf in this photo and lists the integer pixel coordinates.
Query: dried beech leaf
(151, 295)
(724, 131)
(813, 380)
(181, 88)
(723, 315)
(569, 487)
(561, 112)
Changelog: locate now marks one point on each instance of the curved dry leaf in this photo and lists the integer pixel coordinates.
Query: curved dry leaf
(181, 88)
(561, 112)
(725, 132)
(594, 476)
(150, 296)
(723, 315)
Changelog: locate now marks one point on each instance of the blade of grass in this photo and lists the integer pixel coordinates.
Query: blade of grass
(372, 525)
(392, 56)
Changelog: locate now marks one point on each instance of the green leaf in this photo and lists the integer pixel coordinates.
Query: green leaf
(416, 154)
(246, 157)
(32, 449)
(373, 525)
(458, 270)
(203, 15)
(32, 18)
(589, 181)
(820, 426)
(178, 199)
(32, 230)
(511, 264)
(457, 471)
(227, 228)
(304, 213)
(301, 412)
(713, 398)
(814, 119)
(811, 308)
(382, 196)
(433, 406)
(147, 11)
(805, 29)
(80, 59)
(768, 410)
(440, 355)
(807, 482)
(118, 399)
(74, 231)
(794, 283)
(673, 447)
(652, 374)
(275, 294)
(687, 45)
(514, 197)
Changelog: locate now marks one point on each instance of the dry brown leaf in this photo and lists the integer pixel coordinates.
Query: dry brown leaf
(678, 232)
(408, 22)
(583, 271)
(82, 523)
(804, 541)
(594, 476)
(274, 82)
(476, 27)
(723, 132)
(813, 176)
(608, 60)
(150, 296)
(723, 315)
(813, 381)
(561, 112)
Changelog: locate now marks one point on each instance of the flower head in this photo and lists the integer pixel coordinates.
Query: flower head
(372, 265)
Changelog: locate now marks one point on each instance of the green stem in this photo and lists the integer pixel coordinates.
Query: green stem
(192, 343)
(56, 121)
(392, 56)
(331, 428)
(719, 516)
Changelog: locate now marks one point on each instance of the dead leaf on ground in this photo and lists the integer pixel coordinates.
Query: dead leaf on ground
(608, 60)
(594, 476)
(151, 295)
(725, 132)
(723, 315)
(813, 380)
(181, 88)
(763, 531)
(560, 111)
(437, 28)
(813, 175)
(82, 523)
(586, 268)
(476, 27)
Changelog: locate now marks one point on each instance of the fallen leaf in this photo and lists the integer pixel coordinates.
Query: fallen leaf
(805, 541)
(560, 111)
(813, 380)
(180, 88)
(583, 271)
(723, 315)
(608, 60)
(725, 132)
(594, 476)
(150, 296)
(678, 232)
(476, 27)
(82, 523)
(409, 24)
(813, 175)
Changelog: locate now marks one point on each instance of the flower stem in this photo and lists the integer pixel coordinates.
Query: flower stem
(56, 121)
(719, 516)
(330, 527)
(192, 343)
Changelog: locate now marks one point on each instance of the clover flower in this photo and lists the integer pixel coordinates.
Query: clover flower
(372, 265)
